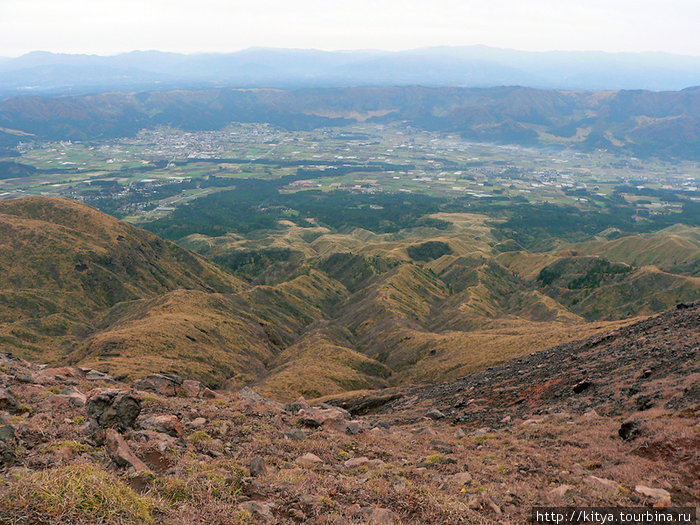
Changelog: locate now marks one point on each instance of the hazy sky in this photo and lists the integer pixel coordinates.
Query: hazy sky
(110, 26)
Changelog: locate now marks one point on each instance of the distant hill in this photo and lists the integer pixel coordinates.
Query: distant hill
(641, 123)
(474, 66)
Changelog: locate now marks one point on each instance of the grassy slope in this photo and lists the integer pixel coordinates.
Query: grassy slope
(63, 263)
(185, 332)
(675, 249)
(355, 312)
(322, 363)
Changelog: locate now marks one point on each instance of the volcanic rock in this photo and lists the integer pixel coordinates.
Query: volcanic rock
(163, 384)
(8, 401)
(308, 460)
(118, 450)
(660, 497)
(315, 417)
(112, 408)
(257, 467)
(167, 424)
(629, 430)
(191, 387)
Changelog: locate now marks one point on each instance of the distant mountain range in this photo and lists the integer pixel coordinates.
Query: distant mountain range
(474, 66)
(641, 123)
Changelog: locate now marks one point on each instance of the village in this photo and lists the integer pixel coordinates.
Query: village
(149, 175)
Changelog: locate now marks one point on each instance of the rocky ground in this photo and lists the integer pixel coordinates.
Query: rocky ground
(607, 421)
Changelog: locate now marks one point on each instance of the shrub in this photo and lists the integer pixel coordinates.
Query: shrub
(75, 446)
(428, 251)
(198, 436)
(435, 459)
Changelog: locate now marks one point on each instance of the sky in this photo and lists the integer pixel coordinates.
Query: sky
(108, 27)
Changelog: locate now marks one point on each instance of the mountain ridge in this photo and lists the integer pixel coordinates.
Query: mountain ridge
(278, 67)
(633, 122)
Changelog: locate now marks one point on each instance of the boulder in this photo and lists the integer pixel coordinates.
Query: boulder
(167, 424)
(660, 497)
(95, 375)
(163, 384)
(308, 460)
(7, 454)
(461, 478)
(76, 397)
(363, 462)
(354, 427)
(112, 408)
(197, 422)
(159, 440)
(489, 503)
(629, 430)
(560, 491)
(248, 394)
(315, 417)
(60, 403)
(582, 385)
(191, 388)
(8, 401)
(603, 483)
(118, 450)
(259, 512)
(435, 414)
(295, 434)
(298, 405)
(62, 374)
(257, 467)
(208, 393)
(7, 432)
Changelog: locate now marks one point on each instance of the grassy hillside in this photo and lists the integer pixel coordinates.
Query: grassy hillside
(63, 263)
(185, 332)
(673, 249)
(311, 310)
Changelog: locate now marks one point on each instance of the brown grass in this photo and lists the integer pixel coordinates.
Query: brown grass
(73, 494)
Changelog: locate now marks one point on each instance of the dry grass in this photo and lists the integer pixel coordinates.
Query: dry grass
(315, 367)
(200, 482)
(73, 494)
(118, 299)
(673, 249)
(441, 357)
